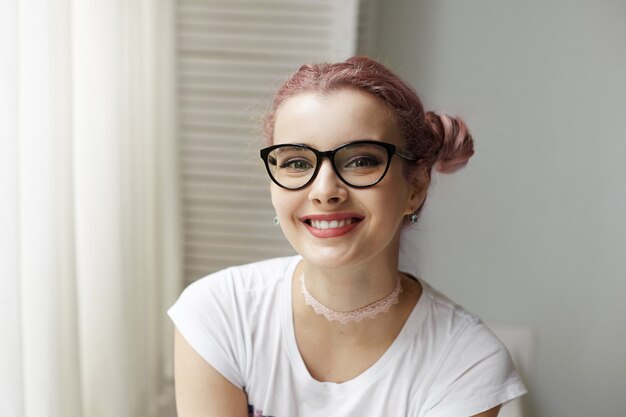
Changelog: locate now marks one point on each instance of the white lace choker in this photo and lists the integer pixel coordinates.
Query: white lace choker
(370, 311)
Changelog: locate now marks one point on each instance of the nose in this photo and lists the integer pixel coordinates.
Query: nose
(327, 187)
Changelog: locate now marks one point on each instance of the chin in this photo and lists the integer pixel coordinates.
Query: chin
(331, 257)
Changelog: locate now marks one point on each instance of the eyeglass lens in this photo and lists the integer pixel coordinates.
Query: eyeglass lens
(357, 164)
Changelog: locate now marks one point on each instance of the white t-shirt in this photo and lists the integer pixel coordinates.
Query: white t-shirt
(444, 362)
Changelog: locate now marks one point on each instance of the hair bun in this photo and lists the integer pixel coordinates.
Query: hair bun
(456, 141)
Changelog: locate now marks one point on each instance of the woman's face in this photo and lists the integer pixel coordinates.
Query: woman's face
(328, 222)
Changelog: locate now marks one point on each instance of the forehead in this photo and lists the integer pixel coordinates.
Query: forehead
(325, 121)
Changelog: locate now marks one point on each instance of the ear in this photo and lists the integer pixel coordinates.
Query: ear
(419, 190)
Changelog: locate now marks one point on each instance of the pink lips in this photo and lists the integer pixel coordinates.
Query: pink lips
(331, 225)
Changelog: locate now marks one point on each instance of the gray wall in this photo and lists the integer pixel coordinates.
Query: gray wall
(533, 231)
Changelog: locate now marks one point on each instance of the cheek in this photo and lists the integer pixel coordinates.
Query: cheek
(397, 196)
(278, 201)
(273, 196)
(284, 202)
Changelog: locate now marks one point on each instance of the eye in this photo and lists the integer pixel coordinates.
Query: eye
(297, 164)
(363, 162)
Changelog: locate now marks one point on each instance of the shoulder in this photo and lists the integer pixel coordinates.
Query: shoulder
(220, 315)
(459, 333)
(471, 369)
(444, 317)
(252, 277)
(233, 294)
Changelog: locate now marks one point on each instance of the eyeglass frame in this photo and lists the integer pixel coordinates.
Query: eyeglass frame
(330, 154)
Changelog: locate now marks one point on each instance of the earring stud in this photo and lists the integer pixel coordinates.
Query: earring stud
(413, 218)
(275, 220)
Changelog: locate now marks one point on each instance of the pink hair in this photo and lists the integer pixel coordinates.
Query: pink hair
(434, 140)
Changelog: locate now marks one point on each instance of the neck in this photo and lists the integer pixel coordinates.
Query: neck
(348, 289)
(344, 317)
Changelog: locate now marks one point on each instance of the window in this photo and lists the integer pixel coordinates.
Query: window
(231, 57)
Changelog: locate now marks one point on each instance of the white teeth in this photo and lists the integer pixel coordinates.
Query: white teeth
(333, 224)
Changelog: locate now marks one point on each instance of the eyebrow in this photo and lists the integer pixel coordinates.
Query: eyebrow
(293, 149)
(338, 146)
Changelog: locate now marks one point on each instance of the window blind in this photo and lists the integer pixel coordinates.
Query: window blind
(231, 57)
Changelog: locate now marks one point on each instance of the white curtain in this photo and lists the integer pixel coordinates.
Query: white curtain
(89, 245)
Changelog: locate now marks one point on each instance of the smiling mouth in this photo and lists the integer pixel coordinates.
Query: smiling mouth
(331, 224)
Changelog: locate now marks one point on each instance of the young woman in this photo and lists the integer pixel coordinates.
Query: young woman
(338, 330)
